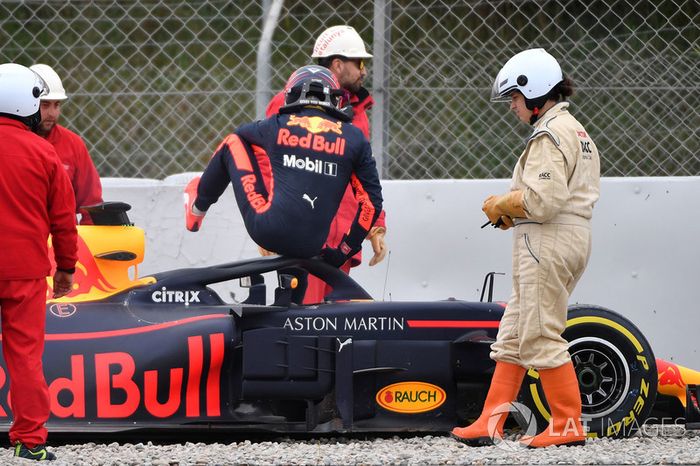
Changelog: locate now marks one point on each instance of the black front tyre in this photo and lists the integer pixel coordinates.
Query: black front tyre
(616, 370)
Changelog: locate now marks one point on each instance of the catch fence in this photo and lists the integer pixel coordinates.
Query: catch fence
(154, 85)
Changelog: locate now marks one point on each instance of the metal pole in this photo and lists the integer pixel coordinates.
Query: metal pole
(263, 93)
(381, 65)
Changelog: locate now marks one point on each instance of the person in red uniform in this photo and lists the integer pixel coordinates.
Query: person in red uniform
(37, 200)
(342, 50)
(70, 147)
(313, 154)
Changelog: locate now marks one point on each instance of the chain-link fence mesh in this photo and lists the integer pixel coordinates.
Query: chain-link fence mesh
(155, 84)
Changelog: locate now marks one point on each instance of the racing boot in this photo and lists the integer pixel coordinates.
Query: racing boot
(564, 398)
(193, 216)
(38, 453)
(505, 385)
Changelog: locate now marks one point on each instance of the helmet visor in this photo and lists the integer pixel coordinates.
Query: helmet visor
(40, 87)
(499, 91)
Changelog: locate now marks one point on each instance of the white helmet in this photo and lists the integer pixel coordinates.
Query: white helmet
(340, 40)
(56, 90)
(532, 72)
(20, 89)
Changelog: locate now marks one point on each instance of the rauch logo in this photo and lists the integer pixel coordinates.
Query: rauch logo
(411, 397)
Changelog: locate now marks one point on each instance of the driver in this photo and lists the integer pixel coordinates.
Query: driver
(289, 173)
(555, 184)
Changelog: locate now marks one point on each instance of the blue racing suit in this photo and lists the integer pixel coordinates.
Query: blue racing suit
(289, 173)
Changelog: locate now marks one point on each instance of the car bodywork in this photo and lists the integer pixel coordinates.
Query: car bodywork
(173, 353)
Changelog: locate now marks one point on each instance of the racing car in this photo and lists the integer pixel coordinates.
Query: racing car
(166, 351)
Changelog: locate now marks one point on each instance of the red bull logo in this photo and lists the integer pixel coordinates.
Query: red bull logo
(87, 278)
(673, 379)
(114, 385)
(98, 273)
(256, 200)
(669, 373)
(311, 141)
(315, 124)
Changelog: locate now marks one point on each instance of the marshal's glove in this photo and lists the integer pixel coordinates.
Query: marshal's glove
(506, 222)
(509, 205)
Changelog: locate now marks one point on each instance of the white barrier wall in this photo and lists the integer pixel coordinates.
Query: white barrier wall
(644, 262)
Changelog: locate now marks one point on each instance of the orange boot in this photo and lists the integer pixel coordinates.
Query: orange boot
(564, 398)
(505, 385)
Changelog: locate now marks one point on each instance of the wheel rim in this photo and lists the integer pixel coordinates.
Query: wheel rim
(603, 374)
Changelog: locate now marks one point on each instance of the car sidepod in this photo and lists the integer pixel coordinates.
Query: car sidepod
(360, 366)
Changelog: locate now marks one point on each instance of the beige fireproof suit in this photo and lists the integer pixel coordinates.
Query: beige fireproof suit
(559, 173)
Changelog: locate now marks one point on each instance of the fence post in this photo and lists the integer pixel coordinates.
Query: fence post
(381, 64)
(263, 93)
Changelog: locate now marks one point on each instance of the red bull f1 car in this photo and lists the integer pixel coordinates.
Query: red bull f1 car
(166, 351)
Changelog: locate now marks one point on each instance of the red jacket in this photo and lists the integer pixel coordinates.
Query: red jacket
(37, 199)
(81, 171)
(360, 102)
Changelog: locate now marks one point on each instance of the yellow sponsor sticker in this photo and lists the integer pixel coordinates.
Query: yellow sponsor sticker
(411, 397)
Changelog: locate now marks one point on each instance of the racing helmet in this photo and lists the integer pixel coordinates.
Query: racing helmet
(56, 90)
(533, 73)
(20, 90)
(340, 40)
(313, 85)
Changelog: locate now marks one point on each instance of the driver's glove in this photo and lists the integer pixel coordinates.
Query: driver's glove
(337, 256)
(193, 216)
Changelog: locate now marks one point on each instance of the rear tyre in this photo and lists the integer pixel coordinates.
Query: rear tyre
(616, 370)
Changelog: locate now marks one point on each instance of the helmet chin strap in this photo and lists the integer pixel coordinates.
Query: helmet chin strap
(535, 115)
(34, 121)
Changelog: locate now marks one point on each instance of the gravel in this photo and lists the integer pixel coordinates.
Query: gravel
(672, 446)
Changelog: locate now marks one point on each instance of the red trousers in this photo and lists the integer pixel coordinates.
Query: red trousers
(23, 308)
(317, 289)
